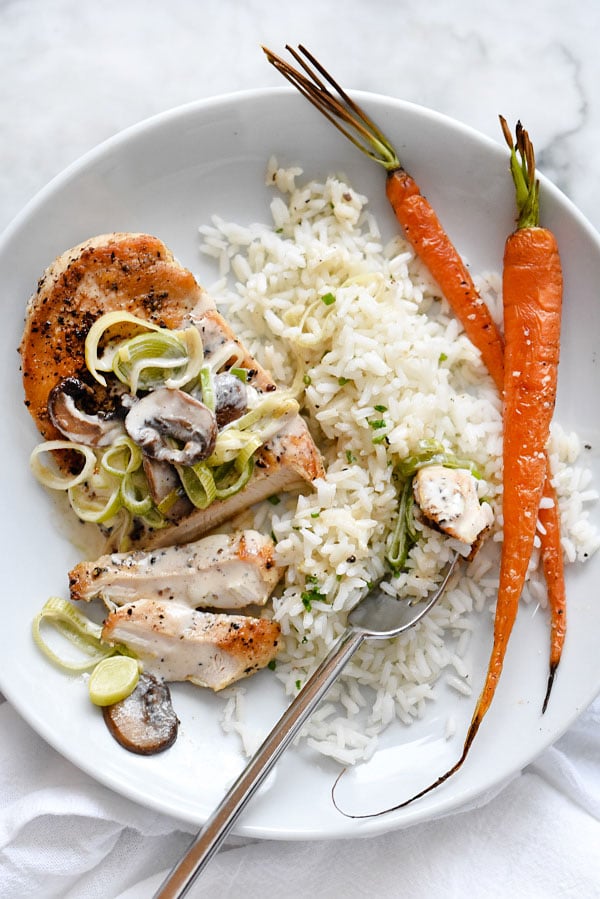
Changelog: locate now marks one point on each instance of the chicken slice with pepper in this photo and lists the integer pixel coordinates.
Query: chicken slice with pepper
(223, 571)
(177, 643)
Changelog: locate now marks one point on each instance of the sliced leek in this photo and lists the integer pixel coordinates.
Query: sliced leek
(166, 359)
(113, 679)
(97, 507)
(77, 629)
(273, 405)
(233, 480)
(154, 519)
(431, 452)
(253, 429)
(198, 483)
(245, 454)
(404, 536)
(122, 457)
(166, 504)
(135, 493)
(94, 363)
(207, 387)
(53, 477)
(146, 360)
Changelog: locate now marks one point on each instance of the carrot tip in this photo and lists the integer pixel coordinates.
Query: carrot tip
(549, 687)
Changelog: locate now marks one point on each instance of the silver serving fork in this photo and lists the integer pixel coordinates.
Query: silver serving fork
(378, 616)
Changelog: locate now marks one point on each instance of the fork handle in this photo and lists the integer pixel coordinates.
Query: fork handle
(218, 825)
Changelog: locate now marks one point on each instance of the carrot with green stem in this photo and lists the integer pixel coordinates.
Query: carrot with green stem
(532, 298)
(532, 285)
(425, 233)
(419, 221)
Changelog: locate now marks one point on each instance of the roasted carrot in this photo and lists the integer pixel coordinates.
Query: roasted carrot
(428, 238)
(532, 253)
(552, 561)
(420, 224)
(532, 298)
(424, 232)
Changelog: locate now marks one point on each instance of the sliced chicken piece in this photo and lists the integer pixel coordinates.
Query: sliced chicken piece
(448, 501)
(220, 572)
(178, 644)
(132, 272)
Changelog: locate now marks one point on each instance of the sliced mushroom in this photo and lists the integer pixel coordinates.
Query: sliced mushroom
(164, 482)
(97, 429)
(231, 398)
(145, 721)
(165, 415)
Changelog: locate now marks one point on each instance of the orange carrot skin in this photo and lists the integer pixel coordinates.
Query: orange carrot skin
(532, 289)
(425, 233)
(552, 561)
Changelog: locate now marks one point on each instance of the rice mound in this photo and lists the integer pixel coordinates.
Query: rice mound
(358, 329)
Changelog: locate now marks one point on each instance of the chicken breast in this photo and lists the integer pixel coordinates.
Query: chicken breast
(137, 273)
(220, 572)
(176, 643)
(448, 500)
(132, 272)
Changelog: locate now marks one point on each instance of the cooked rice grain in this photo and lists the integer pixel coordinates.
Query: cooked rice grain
(356, 326)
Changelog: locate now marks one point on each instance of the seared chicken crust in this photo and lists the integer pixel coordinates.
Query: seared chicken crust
(138, 274)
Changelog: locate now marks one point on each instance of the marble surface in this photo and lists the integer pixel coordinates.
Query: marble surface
(73, 73)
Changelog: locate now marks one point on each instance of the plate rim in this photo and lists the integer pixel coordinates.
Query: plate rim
(194, 108)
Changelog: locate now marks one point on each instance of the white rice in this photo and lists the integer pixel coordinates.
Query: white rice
(388, 341)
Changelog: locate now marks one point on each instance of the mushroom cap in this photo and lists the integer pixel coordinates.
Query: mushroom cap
(145, 721)
(231, 398)
(73, 422)
(166, 414)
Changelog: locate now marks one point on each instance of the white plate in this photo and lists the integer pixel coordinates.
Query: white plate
(165, 177)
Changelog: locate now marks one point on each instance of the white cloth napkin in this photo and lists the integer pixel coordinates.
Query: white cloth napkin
(63, 835)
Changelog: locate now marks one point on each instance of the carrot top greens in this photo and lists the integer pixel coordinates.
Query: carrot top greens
(522, 168)
(342, 111)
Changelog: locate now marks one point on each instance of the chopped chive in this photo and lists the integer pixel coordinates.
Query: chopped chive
(306, 380)
(314, 514)
(241, 373)
(298, 684)
(310, 596)
(274, 500)
(328, 299)
(380, 408)
(272, 664)
(349, 457)
(342, 381)
(442, 357)
(378, 423)
(380, 438)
